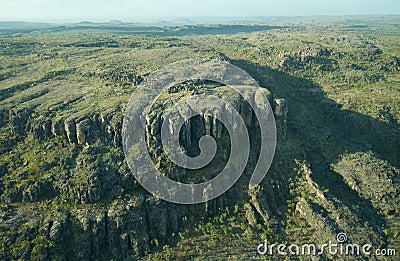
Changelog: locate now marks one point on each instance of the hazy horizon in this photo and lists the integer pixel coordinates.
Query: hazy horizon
(127, 11)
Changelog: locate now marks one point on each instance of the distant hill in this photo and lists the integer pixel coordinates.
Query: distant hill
(18, 24)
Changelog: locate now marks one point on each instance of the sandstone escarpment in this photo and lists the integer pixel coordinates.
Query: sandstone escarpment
(137, 224)
(103, 129)
(105, 126)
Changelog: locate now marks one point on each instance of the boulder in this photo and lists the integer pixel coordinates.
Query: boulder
(82, 131)
(280, 108)
(70, 130)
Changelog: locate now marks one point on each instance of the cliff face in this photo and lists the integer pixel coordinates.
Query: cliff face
(133, 225)
(104, 129)
(105, 126)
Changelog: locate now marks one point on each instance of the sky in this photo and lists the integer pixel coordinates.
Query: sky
(129, 10)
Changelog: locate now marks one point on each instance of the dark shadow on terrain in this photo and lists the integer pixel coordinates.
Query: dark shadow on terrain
(322, 132)
(315, 115)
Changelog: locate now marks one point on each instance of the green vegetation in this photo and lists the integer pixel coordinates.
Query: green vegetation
(66, 191)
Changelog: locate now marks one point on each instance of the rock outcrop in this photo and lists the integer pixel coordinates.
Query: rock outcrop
(70, 130)
(106, 126)
(281, 109)
(131, 226)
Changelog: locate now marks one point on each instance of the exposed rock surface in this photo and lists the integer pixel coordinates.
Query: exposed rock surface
(281, 109)
(132, 226)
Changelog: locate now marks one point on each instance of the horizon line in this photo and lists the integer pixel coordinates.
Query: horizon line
(157, 19)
